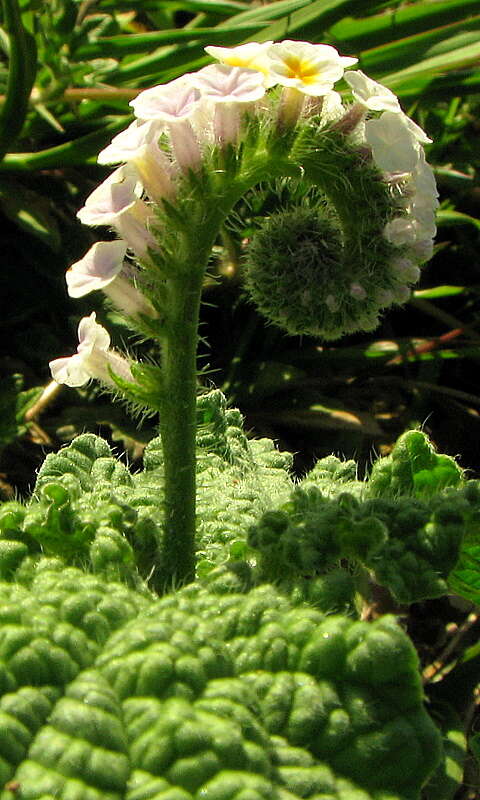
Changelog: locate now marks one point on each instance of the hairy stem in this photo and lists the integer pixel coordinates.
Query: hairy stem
(177, 427)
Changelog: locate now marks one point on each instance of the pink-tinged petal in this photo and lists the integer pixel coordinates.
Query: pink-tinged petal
(99, 267)
(371, 94)
(168, 102)
(138, 145)
(126, 144)
(222, 83)
(133, 227)
(113, 197)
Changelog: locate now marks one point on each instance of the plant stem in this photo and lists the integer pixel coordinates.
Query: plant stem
(178, 428)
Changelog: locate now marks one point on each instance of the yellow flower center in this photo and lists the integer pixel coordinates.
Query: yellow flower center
(301, 69)
(246, 63)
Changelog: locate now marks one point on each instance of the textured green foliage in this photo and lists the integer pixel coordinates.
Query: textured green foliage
(403, 525)
(257, 681)
(206, 693)
(413, 467)
(91, 511)
(465, 578)
(406, 525)
(408, 545)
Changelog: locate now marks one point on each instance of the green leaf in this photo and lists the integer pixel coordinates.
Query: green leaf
(459, 58)
(118, 46)
(465, 578)
(74, 153)
(413, 467)
(448, 778)
(111, 693)
(30, 211)
(21, 76)
(409, 546)
(449, 217)
(440, 291)
(221, 7)
(292, 18)
(433, 43)
(395, 23)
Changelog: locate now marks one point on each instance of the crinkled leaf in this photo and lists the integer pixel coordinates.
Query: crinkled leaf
(408, 545)
(108, 694)
(413, 467)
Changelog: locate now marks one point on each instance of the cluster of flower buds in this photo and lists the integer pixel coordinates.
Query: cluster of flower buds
(396, 146)
(179, 122)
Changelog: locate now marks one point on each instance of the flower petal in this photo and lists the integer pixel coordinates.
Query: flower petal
(371, 94)
(310, 68)
(222, 83)
(393, 146)
(126, 144)
(168, 102)
(252, 55)
(91, 335)
(70, 371)
(113, 197)
(98, 267)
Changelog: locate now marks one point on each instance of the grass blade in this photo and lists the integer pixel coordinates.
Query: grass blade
(21, 75)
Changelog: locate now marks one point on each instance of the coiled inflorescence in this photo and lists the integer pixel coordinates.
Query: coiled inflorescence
(329, 268)
(203, 141)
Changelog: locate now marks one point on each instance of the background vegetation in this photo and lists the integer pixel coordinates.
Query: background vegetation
(68, 70)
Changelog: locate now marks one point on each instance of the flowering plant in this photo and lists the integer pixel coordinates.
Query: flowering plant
(327, 267)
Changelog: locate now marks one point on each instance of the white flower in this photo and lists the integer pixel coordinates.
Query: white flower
(424, 179)
(332, 108)
(228, 88)
(424, 214)
(116, 202)
(310, 68)
(174, 104)
(98, 267)
(405, 269)
(394, 147)
(371, 94)
(92, 359)
(252, 55)
(417, 132)
(384, 297)
(422, 250)
(138, 145)
(400, 231)
(402, 294)
(411, 232)
(126, 144)
(116, 195)
(222, 83)
(357, 291)
(168, 102)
